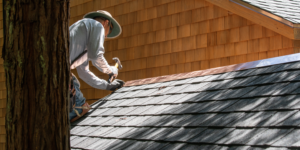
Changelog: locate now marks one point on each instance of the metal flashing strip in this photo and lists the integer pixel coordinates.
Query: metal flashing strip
(230, 68)
(265, 13)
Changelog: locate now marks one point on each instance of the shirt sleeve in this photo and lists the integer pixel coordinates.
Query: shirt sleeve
(96, 49)
(90, 78)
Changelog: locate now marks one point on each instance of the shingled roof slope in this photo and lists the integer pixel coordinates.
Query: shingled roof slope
(250, 109)
(287, 9)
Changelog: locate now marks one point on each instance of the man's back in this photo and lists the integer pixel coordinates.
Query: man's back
(83, 34)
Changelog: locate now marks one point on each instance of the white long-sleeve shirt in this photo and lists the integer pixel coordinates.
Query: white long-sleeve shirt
(89, 34)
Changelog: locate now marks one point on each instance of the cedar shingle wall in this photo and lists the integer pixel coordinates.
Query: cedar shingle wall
(163, 37)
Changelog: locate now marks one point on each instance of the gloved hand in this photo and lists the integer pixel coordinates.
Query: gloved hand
(116, 84)
(114, 70)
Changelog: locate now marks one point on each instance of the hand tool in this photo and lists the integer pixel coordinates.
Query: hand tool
(119, 66)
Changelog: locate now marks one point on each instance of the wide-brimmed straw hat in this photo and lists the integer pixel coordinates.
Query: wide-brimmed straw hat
(116, 31)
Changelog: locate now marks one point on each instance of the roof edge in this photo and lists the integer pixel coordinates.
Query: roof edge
(230, 68)
(257, 18)
(265, 13)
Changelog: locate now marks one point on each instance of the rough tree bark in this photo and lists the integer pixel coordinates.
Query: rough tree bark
(36, 54)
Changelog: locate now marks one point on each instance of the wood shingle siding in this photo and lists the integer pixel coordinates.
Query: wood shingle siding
(163, 37)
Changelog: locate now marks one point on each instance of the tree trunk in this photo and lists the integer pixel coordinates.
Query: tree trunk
(36, 63)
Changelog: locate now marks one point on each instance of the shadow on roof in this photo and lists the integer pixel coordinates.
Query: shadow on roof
(255, 108)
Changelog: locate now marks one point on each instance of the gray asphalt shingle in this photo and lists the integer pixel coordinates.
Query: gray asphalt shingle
(240, 136)
(252, 119)
(269, 136)
(292, 138)
(249, 109)
(211, 135)
(184, 134)
(222, 120)
(246, 104)
(139, 145)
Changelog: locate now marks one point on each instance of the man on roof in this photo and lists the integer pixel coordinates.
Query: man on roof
(86, 44)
